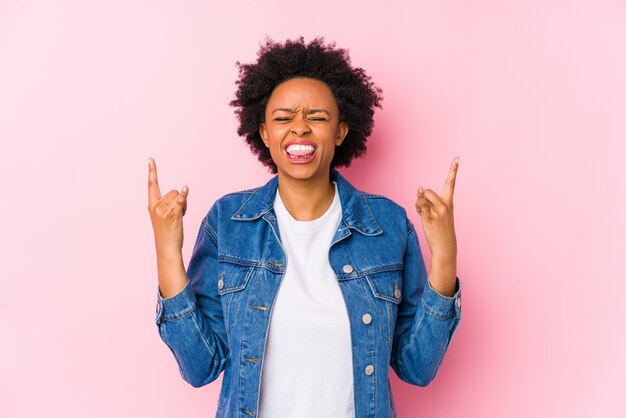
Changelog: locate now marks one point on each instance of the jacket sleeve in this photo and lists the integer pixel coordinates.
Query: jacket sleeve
(191, 323)
(426, 320)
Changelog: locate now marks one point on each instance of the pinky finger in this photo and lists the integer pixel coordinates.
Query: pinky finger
(423, 206)
(179, 208)
(426, 210)
(182, 198)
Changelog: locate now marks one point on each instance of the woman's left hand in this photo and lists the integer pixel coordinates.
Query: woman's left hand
(437, 217)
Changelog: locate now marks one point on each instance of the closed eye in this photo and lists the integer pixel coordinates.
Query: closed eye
(285, 119)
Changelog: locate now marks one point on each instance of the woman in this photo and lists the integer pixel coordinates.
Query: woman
(305, 290)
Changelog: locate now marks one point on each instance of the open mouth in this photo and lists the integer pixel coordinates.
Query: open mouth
(300, 152)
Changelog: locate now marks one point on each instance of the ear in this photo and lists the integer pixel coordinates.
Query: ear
(342, 131)
(263, 133)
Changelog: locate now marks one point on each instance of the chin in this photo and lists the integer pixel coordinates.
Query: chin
(302, 172)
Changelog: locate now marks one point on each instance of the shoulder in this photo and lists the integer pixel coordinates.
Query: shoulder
(236, 196)
(226, 205)
(378, 202)
(388, 212)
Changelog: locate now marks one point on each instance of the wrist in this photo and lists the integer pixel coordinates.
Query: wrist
(169, 255)
(442, 276)
(446, 257)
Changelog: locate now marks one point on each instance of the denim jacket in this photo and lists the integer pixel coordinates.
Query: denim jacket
(219, 321)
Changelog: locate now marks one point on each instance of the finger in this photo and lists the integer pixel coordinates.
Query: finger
(448, 188)
(154, 193)
(434, 200)
(174, 203)
(182, 199)
(166, 203)
(425, 210)
(169, 196)
(422, 206)
(179, 205)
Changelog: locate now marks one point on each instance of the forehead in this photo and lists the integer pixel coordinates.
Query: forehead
(302, 92)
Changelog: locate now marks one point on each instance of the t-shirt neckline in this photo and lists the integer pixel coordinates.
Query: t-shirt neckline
(306, 226)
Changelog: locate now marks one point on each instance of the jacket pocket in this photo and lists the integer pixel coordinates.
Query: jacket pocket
(386, 288)
(232, 282)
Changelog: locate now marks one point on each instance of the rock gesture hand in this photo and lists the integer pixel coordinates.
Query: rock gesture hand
(438, 223)
(166, 214)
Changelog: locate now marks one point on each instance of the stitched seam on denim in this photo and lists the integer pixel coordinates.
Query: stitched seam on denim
(239, 261)
(275, 270)
(241, 286)
(378, 294)
(185, 312)
(209, 231)
(383, 269)
(244, 203)
(240, 192)
(374, 196)
(390, 323)
(215, 360)
(250, 263)
(375, 377)
(373, 217)
(410, 227)
(371, 270)
(435, 313)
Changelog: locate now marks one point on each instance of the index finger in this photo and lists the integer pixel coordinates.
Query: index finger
(448, 188)
(154, 193)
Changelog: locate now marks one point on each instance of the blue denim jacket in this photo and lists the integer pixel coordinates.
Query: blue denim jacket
(220, 320)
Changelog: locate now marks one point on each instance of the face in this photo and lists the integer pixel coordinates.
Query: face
(302, 128)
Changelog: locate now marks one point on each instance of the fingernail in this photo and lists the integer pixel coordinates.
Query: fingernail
(420, 189)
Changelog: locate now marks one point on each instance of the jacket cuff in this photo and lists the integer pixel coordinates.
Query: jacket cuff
(175, 306)
(442, 306)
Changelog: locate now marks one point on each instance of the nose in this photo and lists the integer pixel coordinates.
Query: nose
(299, 126)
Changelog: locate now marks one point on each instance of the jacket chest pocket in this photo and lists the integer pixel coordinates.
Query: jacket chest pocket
(386, 288)
(231, 285)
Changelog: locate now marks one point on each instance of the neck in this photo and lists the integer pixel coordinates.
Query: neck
(308, 199)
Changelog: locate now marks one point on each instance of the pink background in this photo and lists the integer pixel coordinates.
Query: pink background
(531, 96)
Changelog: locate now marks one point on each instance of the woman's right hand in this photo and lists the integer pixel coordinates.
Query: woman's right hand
(166, 214)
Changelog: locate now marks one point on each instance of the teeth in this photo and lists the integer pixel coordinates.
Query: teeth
(300, 148)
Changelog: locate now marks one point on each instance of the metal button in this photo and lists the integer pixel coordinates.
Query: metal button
(397, 293)
(367, 318)
(220, 283)
(348, 268)
(369, 369)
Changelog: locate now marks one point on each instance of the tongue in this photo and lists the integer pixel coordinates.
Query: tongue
(300, 153)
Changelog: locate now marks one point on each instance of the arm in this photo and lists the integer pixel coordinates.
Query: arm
(189, 312)
(191, 322)
(426, 320)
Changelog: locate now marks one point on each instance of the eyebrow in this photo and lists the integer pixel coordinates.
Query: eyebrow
(284, 109)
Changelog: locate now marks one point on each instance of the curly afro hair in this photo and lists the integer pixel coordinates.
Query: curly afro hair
(355, 93)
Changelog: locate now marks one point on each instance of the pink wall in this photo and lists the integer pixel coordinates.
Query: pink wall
(531, 95)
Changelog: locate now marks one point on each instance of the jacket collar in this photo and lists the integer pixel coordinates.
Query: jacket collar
(356, 213)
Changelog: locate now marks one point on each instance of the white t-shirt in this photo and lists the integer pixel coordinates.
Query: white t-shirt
(307, 370)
